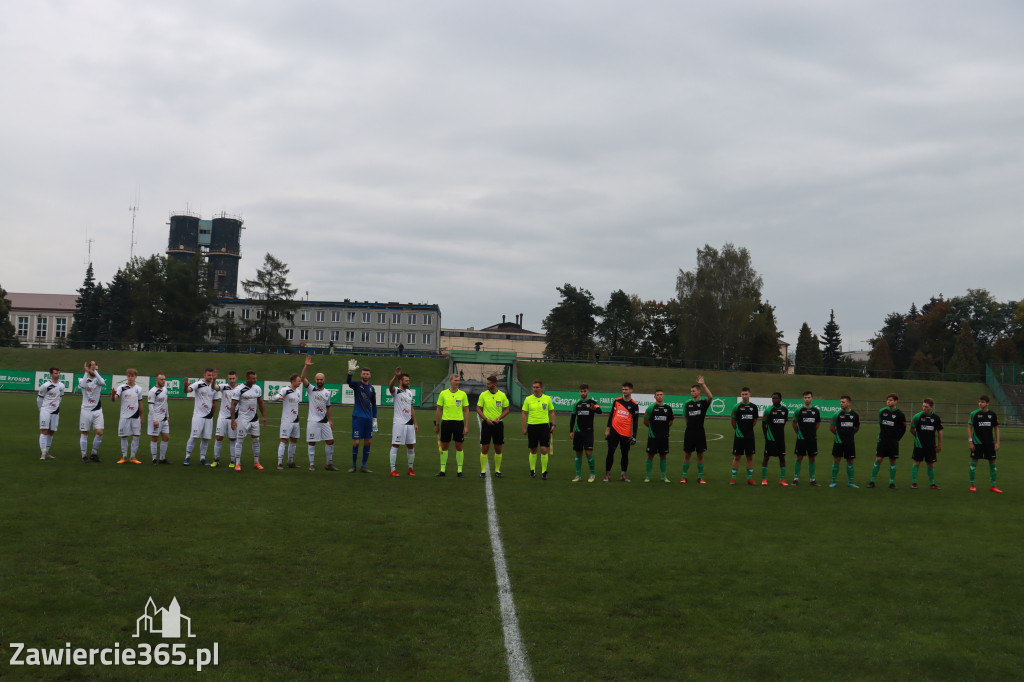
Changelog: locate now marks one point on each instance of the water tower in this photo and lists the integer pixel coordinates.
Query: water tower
(183, 243)
(224, 253)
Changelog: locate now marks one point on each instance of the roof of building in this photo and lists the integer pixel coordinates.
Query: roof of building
(339, 304)
(509, 328)
(61, 302)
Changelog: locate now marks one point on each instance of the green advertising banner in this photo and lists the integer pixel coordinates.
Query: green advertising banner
(11, 380)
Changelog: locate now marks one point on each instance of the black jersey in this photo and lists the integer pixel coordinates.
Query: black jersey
(660, 418)
(892, 424)
(696, 411)
(582, 417)
(807, 419)
(745, 415)
(984, 424)
(925, 426)
(846, 424)
(775, 419)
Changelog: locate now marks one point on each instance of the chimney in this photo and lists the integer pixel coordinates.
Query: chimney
(503, 319)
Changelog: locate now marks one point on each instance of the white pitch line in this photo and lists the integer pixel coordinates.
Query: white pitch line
(515, 652)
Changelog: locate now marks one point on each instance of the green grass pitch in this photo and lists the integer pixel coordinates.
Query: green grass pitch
(318, 575)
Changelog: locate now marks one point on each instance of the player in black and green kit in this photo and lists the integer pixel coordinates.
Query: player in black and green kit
(892, 424)
(658, 419)
(773, 425)
(581, 430)
(983, 437)
(694, 437)
(845, 426)
(805, 423)
(926, 428)
(744, 417)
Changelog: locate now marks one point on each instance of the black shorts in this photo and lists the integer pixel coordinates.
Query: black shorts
(774, 448)
(695, 441)
(538, 434)
(924, 455)
(583, 440)
(743, 446)
(888, 449)
(451, 430)
(806, 446)
(657, 445)
(984, 451)
(845, 450)
(492, 434)
(616, 439)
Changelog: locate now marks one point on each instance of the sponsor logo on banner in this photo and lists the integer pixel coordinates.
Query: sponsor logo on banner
(66, 378)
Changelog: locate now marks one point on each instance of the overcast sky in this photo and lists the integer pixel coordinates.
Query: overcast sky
(474, 155)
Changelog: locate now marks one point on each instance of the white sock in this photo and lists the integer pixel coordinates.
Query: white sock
(42, 443)
(204, 445)
(49, 441)
(291, 451)
(236, 450)
(152, 449)
(280, 453)
(83, 443)
(329, 450)
(394, 456)
(190, 446)
(216, 449)
(312, 454)
(124, 448)
(96, 440)
(135, 447)
(163, 449)
(256, 450)
(412, 458)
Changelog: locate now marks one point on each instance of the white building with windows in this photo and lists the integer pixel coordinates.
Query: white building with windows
(360, 326)
(42, 320)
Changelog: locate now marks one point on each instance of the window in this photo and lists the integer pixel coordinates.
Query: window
(230, 312)
(320, 316)
(335, 336)
(366, 318)
(319, 335)
(350, 337)
(412, 318)
(40, 326)
(428, 318)
(60, 327)
(350, 317)
(410, 337)
(382, 318)
(275, 314)
(380, 337)
(289, 334)
(23, 326)
(245, 313)
(304, 316)
(396, 318)
(335, 316)
(427, 339)
(259, 313)
(364, 337)
(396, 338)
(303, 335)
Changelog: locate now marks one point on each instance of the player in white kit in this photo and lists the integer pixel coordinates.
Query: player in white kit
(129, 425)
(319, 424)
(290, 397)
(225, 393)
(204, 393)
(404, 426)
(48, 401)
(159, 425)
(247, 409)
(91, 417)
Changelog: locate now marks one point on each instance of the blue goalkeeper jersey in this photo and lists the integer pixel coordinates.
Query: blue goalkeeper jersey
(366, 399)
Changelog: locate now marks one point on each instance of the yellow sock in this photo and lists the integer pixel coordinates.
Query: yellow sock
(533, 461)
(497, 461)
(544, 463)
(483, 463)
(459, 456)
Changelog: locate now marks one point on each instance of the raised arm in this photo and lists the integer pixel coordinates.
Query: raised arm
(302, 375)
(707, 391)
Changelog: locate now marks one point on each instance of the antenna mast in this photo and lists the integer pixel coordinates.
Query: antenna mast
(88, 247)
(133, 208)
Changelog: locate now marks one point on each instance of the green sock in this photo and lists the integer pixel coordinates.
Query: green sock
(590, 463)
(874, 471)
(931, 475)
(849, 473)
(750, 473)
(782, 473)
(974, 465)
(579, 464)
(483, 463)
(796, 469)
(734, 471)
(544, 463)
(497, 462)
(764, 473)
(913, 473)
(533, 461)
(892, 474)
(993, 473)
(650, 464)
(835, 471)
(664, 467)
(700, 470)
(459, 457)
(686, 469)
(444, 459)
(810, 468)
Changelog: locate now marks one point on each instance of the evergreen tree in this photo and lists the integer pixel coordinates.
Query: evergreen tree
(808, 358)
(964, 362)
(116, 311)
(923, 367)
(274, 298)
(569, 327)
(87, 322)
(880, 359)
(832, 352)
(8, 334)
(621, 330)
(763, 333)
(1003, 350)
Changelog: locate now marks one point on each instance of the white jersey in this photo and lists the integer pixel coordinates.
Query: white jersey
(319, 402)
(226, 394)
(248, 407)
(403, 408)
(130, 398)
(92, 392)
(157, 404)
(49, 397)
(205, 396)
(290, 399)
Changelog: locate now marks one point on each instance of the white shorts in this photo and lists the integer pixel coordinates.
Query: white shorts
(318, 431)
(47, 421)
(162, 427)
(202, 428)
(90, 420)
(224, 429)
(129, 426)
(290, 430)
(403, 434)
(248, 429)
